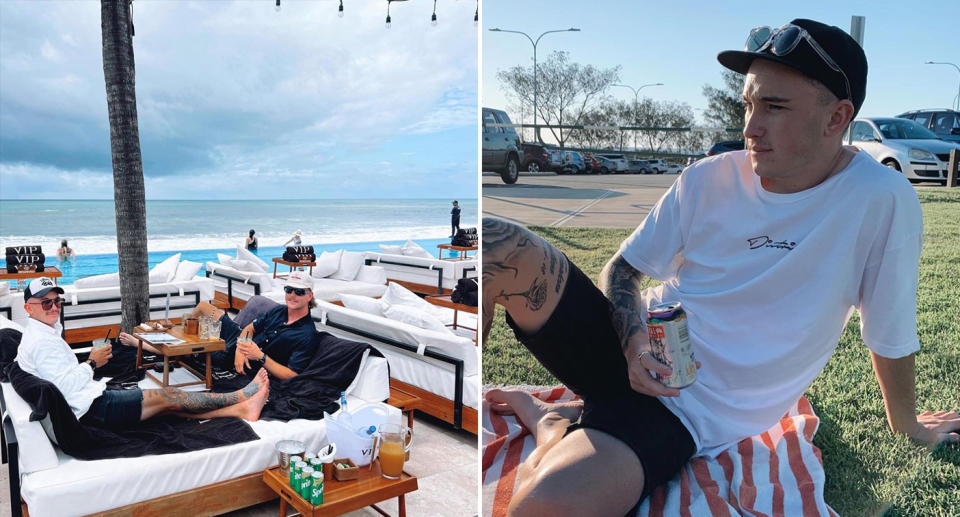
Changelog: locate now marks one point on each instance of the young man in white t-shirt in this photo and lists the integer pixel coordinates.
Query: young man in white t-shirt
(769, 250)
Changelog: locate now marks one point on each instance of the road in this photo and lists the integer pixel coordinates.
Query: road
(546, 199)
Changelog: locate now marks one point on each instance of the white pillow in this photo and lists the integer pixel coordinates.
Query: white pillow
(244, 254)
(245, 265)
(224, 259)
(107, 280)
(363, 304)
(164, 271)
(350, 263)
(372, 275)
(392, 249)
(36, 451)
(412, 249)
(187, 270)
(326, 264)
(416, 318)
(10, 324)
(397, 294)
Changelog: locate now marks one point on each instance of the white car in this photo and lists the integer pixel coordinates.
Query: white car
(673, 168)
(904, 145)
(619, 162)
(657, 166)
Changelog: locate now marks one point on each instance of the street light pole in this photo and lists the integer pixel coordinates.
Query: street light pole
(958, 70)
(536, 129)
(636, 95)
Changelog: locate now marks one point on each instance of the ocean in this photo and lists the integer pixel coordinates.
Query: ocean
(201, 229)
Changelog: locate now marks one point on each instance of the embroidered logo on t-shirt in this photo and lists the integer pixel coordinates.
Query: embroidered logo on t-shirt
(764, 241)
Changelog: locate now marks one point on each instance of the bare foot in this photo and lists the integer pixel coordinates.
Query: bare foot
(250, 408)
(531, 410)
(127, 339)
(259, 383)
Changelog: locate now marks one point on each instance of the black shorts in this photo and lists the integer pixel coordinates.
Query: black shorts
(115, 408)
(579, 346)
(229, 332)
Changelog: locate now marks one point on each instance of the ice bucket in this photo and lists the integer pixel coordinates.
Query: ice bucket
(286, 449)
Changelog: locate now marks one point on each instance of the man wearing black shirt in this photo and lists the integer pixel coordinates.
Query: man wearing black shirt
(281, 340)
(455, 219)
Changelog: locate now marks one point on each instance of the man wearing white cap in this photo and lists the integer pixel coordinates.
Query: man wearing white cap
(43, 353)
(281, 340)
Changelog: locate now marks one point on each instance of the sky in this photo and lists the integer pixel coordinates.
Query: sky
(238, 101)
(676, 42)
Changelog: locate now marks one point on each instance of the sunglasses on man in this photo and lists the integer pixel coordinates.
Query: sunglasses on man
(295, 290)
(48, 303)
(784, 40)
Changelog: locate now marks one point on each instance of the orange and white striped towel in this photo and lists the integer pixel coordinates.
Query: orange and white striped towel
(776, 473)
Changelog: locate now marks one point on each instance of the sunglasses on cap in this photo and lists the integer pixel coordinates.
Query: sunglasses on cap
(784, 40)
(48, 303)
(295, 290)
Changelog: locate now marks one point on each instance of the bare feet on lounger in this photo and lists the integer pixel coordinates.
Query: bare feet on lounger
(127, 339)
(530, 410)
(251, 407)
(259, 383)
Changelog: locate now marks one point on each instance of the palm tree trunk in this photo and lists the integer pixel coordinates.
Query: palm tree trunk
(128, 190)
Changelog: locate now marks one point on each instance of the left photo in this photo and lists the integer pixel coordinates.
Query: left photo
(240, 272)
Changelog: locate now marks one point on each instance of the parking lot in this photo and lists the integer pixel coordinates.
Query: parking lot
(602, 201)
(546, 199)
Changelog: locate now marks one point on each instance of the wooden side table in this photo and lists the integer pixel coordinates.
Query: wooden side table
(405, 402)
(462, 249)
(343, 496)
(446, 301)
(48, 271)
(278, 260)
(192, 344)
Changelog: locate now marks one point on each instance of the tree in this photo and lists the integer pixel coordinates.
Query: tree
(725, 106)
(128, 190)
(566, 90)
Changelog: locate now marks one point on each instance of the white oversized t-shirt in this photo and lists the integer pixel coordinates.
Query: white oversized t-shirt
(769, 281)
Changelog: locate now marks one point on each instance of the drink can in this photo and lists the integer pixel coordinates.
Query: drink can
(306, 481)
(670, 342)
(296, 464)
(316, 464)
(316, 488)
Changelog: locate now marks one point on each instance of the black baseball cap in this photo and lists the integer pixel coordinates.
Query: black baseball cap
(39, 287)
(839, 45)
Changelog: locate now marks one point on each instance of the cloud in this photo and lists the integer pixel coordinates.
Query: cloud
(234, 89)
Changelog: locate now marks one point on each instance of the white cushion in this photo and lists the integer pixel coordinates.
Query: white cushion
(164, 271)
(244, 254)
(4, 288)
(10, 324)
(350, 263)
(363, 304)
(372, 275)
(412, 249)
(186, 270)
(36, 451)
(399, 295)
(246, 265)
(224, 259)
(107, 280)
(416, 318)
(393, 249)
(327, 264)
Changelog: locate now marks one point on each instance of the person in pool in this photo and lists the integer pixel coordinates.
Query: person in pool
(251, 243)
(64, 252)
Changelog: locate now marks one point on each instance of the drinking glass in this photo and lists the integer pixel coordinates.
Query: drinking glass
(213, 329)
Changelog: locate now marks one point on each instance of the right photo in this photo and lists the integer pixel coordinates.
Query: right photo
(718, 249)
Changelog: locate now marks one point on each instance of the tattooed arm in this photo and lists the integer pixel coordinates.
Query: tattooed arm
(620, 283)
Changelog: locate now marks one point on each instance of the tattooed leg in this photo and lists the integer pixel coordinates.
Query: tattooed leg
(196, 404)
(522, 272)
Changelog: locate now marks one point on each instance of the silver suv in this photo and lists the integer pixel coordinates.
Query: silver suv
(657, 166)
(501, 145)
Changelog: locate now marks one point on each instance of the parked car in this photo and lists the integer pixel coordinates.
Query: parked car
(604, 165)
(673, 168)
(535, 157)
(573, 162)
(501, 146)
(904, 145)
(556, 159)
(726, 146)
(944, 123)
(657, 166)
(619, 162)
(638, 167)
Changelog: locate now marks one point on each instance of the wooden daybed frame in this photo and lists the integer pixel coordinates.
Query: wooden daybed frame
(416, 287)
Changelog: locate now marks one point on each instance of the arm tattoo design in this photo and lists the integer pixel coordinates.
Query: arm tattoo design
(620, 283)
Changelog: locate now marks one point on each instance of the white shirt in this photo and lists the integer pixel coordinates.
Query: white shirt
(44, 353)
(769, 281)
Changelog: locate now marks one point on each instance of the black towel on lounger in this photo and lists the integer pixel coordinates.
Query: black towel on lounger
(163, 435)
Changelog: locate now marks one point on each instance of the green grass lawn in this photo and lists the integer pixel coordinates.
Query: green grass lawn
(869, 470)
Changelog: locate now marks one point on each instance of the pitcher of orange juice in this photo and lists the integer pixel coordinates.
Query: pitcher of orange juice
(395, 442)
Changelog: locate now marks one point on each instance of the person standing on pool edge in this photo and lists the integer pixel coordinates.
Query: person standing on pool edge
(454, 219)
